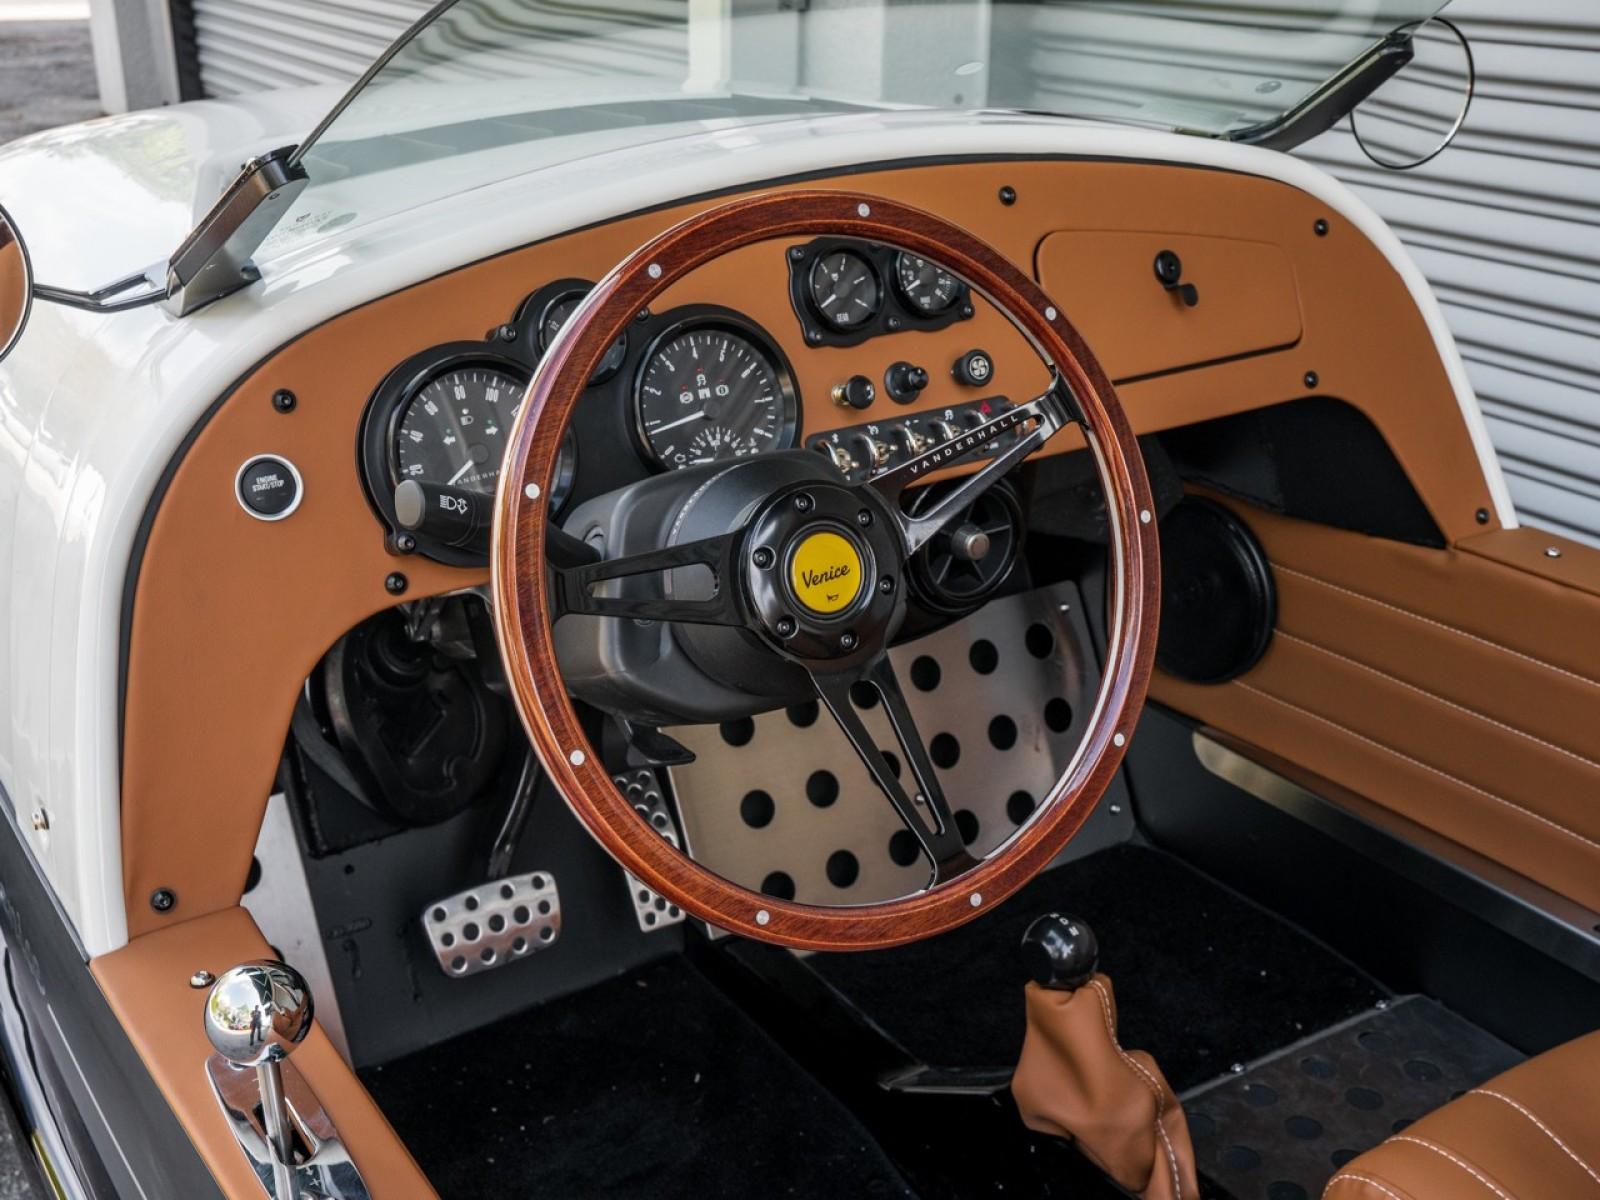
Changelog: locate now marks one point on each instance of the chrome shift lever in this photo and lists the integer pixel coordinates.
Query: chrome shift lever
(256, 1014)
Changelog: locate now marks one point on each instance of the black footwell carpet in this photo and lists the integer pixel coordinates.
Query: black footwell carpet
(1203, 978)
(652, 1085)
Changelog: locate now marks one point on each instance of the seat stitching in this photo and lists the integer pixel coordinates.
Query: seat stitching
(1416, 616)
(1460, 1162)
(1149, 1082)
(1400, 754)
(1462, 708)
(1543, 1128)
(1366, 1179)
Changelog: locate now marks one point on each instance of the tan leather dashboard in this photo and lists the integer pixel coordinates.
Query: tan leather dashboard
(213, 645)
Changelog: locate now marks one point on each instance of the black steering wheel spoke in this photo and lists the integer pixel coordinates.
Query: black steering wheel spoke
(928, 815)
(1041, 419)
(576, 588)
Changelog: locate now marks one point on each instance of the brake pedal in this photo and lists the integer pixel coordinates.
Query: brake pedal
(494, 923)
(643, 790)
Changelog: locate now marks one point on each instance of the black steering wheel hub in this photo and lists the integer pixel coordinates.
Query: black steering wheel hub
(822, 574)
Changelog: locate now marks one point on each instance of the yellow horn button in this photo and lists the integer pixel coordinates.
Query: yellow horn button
(825, 573)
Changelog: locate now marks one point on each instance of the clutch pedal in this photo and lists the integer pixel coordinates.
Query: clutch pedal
(494, 923)
(643, 790)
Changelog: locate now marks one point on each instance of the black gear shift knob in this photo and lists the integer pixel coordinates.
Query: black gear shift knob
(1060, 952)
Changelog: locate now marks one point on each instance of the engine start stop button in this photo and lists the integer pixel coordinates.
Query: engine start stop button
(268, 487)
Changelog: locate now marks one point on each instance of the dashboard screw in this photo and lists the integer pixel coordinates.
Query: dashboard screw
(1312, 379)
(966, 311)
(1483, 516)
(804, 503)
(847, 641)
(893, 322)
(786, 627)
(202, 979)
(762, 557)
(284, 401)
(643, 315)
(815, 336)
(405, 543)
(797, 253)
(1008, 195)
(508, 333)
(886, 585)
(1321, 227)
(864, 518)
(396, 583)
(163, 899)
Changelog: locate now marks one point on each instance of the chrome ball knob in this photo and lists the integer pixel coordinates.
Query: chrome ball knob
(258, 1012)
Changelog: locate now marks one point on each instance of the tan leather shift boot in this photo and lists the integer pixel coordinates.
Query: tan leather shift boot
(1076, 1081)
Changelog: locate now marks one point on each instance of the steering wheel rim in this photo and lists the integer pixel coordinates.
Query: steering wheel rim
(524, 617)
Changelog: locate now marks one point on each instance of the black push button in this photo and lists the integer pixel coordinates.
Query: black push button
(269, 487)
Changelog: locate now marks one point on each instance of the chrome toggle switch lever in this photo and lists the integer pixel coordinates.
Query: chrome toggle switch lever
(255, 1015)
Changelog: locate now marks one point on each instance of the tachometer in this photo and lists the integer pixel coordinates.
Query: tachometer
(711, 393)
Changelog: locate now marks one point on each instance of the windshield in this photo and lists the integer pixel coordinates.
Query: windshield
(478, 76)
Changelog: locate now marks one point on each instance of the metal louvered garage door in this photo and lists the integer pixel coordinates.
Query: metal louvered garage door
(1506, 225)
(247, 45)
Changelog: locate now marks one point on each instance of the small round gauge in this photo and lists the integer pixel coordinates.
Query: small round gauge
(713, 393)
(925, 285)
(453, 430)
(555, 316)
(844, 289)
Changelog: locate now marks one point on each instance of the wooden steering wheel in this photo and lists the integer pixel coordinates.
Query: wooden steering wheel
(809, 523)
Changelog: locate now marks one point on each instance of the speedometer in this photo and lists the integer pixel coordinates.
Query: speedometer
(712, 393)
(453, 431)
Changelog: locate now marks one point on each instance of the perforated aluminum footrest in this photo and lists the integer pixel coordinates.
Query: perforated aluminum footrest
(643, 790)
(494, 923)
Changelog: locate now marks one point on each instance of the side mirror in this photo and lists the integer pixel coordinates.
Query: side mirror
(16, 284)
(1411, 119)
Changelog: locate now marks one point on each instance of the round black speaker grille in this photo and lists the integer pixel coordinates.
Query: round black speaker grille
(1218, 601)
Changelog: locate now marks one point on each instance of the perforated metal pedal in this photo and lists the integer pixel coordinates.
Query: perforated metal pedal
(643, 790)
(494, 923)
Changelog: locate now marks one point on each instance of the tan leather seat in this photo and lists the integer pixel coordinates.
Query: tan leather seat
(1530, 1134)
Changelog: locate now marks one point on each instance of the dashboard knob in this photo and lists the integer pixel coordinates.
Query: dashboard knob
(974, 369)
(855, 392)
(905, 382)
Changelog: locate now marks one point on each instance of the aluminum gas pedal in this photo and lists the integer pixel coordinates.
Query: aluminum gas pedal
(643, 790)
(494, 923)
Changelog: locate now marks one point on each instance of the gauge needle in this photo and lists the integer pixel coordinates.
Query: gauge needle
(694, 416)
(465, 467)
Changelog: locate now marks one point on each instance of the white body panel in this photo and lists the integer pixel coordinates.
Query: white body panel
(93, 408)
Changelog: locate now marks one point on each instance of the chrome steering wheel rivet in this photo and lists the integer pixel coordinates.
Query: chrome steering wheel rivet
(763, 917)
(531, 491)
(1050, 313)
(1118, 739)
(654, 270)
(577, 758)
(864, 210)
(1144, 516)
(976, 899)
